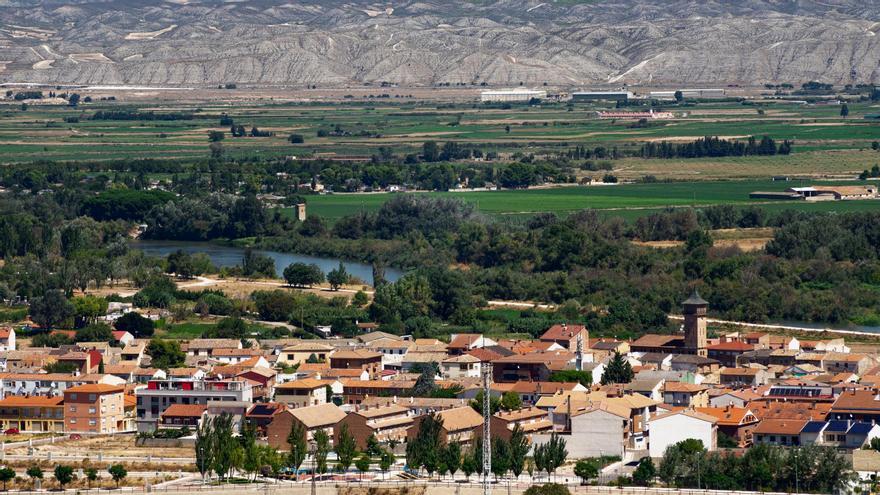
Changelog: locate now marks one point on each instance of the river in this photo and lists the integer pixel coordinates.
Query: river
(229, 256)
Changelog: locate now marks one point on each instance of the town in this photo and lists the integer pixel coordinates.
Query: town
(379, 406)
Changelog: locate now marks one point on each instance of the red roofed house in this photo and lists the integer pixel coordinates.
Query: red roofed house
(7, 339)
(727, 352)
(567, 336)
(123, 337)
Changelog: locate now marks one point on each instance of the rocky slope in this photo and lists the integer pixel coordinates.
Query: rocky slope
(424, 42)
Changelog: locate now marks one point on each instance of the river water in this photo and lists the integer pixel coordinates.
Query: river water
(229, 256)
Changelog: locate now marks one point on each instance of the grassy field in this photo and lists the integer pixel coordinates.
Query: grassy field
(627, 200)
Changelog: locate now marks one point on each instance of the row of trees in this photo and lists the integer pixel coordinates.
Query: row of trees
(810, 469)
(219, 451)
(715, 147)
(64, 475)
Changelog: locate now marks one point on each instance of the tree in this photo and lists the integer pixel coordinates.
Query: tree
(844, 111)
(500, 457)
(165, 354)
(477, 403)
(298, 447)
(204, 447)
(468, 464)
(645, 472)
(425, 449)
(6, 475)
(296, 139)
(99, 332)
(118, 473)
(135, 324)
(215, 136)
(63, 474)
(679, 96)
(519, 449)
(91, 476)
(386, 460)
(253, 454)
(373, 448)
(337, 277)
(303, 274)
(34, 473)
(363, 464)
(425, 384)
(586, 469)
(88, 308)
(430, 151)
(585, 378)
(227, 452)
(322, 448)
(547, 489)
(452, 457)
(51, 309)
(346, 448)
(511, 401)
(618, 370)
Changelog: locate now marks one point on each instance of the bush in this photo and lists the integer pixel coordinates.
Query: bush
(135, 324)
(548, 489)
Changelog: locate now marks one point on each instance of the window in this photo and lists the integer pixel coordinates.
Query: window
(73, 421)
(92, 397)
(92, 422)
(72, 408)
(73, 396)
(92, 410)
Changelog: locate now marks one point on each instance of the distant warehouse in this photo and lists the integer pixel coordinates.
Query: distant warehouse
(511, 95)
(601, 95)
(689, 93)
(820, 193)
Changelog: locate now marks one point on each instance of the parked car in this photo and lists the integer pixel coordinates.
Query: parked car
(75, 436)
(12, 431)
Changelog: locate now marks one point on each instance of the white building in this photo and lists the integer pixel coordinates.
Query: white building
(7, 339)
(512, 95)
(671, 428)
(464, 366)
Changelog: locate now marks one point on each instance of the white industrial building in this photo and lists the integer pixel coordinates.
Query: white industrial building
(512, 95)
(689, 93)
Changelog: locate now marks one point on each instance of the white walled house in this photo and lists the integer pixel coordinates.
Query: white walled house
(464, 366)
(671, 428)
(7, 339)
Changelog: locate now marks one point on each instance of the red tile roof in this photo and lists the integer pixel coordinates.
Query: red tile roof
(563, 332)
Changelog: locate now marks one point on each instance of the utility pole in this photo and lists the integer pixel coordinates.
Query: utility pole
(314, 470)
(487, 417)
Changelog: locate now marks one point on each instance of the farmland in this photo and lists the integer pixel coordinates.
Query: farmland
(627, 200)
(825, 142)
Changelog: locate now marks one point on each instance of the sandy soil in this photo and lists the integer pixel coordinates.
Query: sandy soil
(118, 445)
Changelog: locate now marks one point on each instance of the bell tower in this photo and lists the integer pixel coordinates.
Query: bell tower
(694, 309)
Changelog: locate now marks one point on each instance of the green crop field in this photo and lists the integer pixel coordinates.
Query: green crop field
(627, 200)
(41, 133)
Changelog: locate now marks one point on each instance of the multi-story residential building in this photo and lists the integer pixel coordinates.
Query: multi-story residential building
(779, 431)
(49, 384)
(461, 425)
(388, 422)
(678, 394)
(311, 419)
(358, 359)
(735, 422)
(670, 428)
(300, 353)
(34, 414)
(302, 393)
(206, 347)
(530, 420)
(182, 415)
(837, 362)
(94, 408)
(153, 399)
(568, 336)
(463, 366)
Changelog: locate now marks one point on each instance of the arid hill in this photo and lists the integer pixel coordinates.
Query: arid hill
(425, 42)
